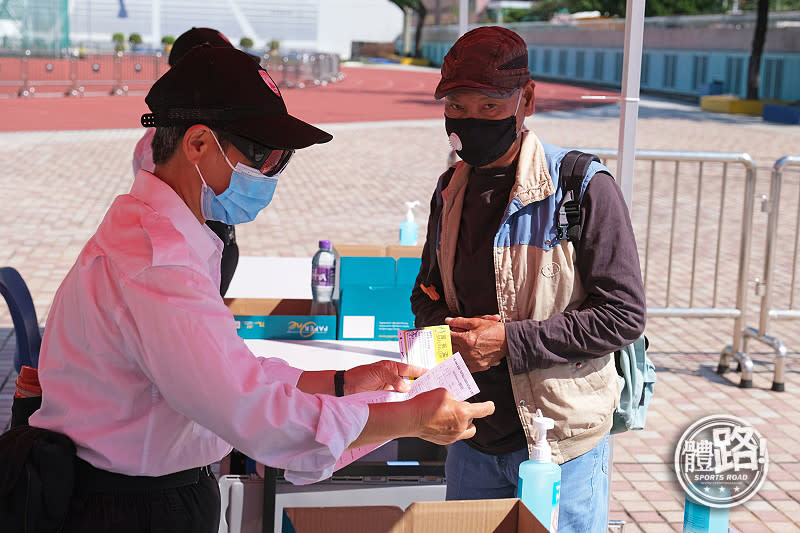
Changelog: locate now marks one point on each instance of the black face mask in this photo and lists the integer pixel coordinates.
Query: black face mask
(479, 141)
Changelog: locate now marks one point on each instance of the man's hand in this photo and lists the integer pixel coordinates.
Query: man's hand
(433, 415)
(481, 341)
(383, 375)
(442, 420)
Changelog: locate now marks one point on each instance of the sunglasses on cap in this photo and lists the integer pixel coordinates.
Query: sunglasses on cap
(269, 161)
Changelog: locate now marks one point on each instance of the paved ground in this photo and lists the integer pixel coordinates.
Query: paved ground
(58, 184)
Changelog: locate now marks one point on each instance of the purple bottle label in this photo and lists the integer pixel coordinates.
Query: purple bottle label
(322, 275)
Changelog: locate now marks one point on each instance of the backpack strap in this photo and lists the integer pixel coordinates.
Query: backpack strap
(574, 166)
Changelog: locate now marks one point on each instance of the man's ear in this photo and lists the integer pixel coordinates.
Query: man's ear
(195, 143)
(528, 97)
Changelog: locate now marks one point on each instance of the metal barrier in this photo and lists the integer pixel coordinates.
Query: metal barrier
(302, 70)
(766, 287)
(705, 219)
(118, 72)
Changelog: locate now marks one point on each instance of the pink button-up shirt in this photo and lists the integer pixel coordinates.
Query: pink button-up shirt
(142, 367)
(143, 153)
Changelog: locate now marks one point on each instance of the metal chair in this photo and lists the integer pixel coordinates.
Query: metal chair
(23, 315)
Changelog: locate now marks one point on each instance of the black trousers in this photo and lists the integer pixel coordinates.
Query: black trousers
(189, 508)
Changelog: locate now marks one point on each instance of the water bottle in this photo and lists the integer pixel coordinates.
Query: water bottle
(323, 270)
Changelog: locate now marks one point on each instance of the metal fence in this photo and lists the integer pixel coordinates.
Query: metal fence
(711, 234)
(302, 70)
(117, 73)
(777, 274)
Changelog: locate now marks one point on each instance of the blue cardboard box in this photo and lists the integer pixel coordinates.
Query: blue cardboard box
(374, 297)
(258, 318)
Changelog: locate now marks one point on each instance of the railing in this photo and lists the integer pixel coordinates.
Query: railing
(302, 70)
(688, 237)
(788, 279)
(116, 73)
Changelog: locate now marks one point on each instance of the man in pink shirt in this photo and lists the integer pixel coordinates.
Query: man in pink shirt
(141, 365)
(143, 153)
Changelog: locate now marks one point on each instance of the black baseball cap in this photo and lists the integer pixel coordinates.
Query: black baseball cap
(490, 59)
(225, 89)
(197, 36)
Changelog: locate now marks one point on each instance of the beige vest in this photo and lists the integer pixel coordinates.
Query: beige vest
(533, 283)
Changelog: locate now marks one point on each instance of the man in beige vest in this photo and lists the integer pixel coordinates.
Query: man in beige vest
(535, 316)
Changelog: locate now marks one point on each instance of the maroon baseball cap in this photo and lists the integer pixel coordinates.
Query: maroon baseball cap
(490, 59)
(225, 89)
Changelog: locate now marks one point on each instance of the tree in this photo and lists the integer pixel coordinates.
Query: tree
(246, 43)
(166, 42)
(119, 42)
(418, 8)
(653, 8)
(135, 40)
(759, 36)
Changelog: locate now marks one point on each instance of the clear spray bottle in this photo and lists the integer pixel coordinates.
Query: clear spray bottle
(539, 484)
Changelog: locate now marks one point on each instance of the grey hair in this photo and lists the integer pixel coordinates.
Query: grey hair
(167, 139)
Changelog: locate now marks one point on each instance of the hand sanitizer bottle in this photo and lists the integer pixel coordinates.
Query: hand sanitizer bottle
(539, 484)
(408, 228)
(700, 518)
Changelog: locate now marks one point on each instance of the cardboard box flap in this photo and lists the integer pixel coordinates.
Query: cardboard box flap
(473, 516)
(375, 519)
(365, 271)
(407, 271)
(399, 250)
(268, 306)
(362, 250)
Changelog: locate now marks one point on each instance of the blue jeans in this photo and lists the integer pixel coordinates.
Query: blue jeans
(472, 475)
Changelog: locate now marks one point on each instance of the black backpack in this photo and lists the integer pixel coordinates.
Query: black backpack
(633, 366)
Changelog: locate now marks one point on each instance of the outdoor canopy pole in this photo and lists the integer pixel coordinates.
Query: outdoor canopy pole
(463, 16)
(629, 105)
(155, 23)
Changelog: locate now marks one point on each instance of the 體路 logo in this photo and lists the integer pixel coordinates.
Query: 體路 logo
(721, 461)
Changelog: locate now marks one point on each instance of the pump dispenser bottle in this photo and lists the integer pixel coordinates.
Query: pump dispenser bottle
(408, 228)
(539, 484)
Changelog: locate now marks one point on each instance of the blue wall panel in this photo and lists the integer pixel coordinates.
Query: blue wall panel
(681, 72)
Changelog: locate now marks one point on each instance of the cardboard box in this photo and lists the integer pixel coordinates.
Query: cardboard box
(374, 297)
(261, 318)
(473, 516)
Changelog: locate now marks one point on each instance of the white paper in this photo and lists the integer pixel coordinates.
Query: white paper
(451, 374)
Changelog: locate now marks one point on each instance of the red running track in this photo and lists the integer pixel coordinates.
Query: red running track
(366, 94)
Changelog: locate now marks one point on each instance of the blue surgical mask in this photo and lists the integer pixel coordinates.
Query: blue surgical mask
(248, 193)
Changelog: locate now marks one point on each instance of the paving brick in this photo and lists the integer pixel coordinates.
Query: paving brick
(637, 505)
(783, 527)
(642, 517)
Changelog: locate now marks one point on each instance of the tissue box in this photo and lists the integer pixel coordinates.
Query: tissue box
(262, 318)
